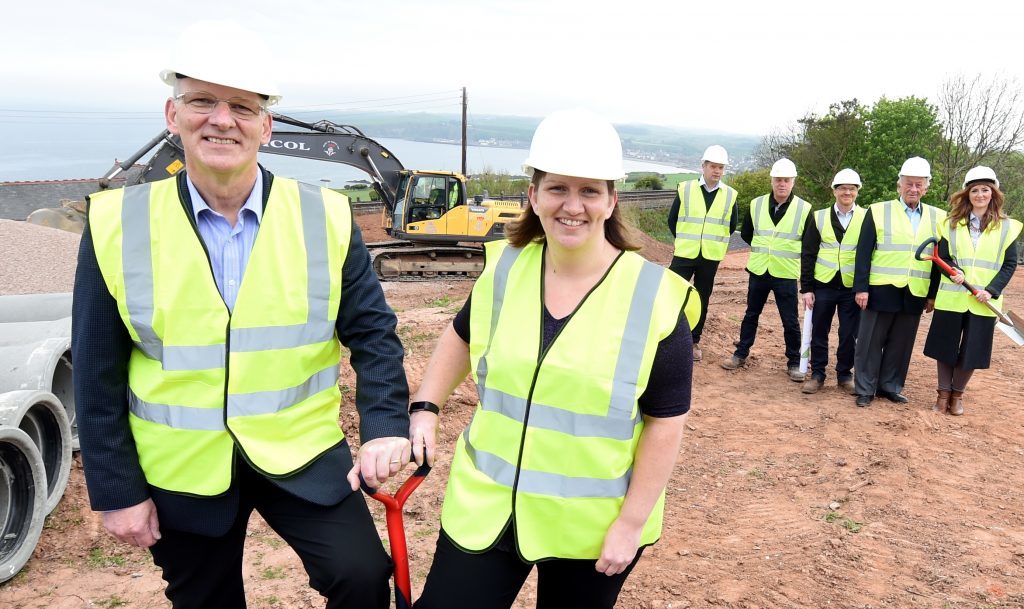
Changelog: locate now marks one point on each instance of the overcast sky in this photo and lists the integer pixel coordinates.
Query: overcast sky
(740, 66)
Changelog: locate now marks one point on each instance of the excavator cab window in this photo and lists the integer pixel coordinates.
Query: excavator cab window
(429, 198)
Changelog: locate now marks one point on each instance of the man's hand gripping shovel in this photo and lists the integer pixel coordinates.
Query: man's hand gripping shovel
(396, 531)
(1009, 323)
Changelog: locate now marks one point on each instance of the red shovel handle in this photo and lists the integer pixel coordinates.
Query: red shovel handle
(934, 257)
(396, 530)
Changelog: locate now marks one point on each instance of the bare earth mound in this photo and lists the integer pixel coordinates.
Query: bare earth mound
(778, 499)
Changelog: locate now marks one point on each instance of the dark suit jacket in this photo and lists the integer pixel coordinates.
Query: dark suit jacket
(883, 298)
(101, 347)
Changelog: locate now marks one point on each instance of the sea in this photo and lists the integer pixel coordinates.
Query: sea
(75, 149)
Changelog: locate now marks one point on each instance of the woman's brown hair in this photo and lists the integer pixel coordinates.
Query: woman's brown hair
(527, 227)
(960, 207)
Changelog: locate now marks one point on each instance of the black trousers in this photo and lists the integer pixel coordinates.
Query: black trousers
(758, 289)
(827, 301)
(338, 545)
(885, 342)
(702, 272)
(492, 580)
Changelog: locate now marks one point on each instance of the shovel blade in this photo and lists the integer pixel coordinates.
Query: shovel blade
(1011, 332)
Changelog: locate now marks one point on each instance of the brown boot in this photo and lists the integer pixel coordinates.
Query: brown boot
(942, 402)
(956, 403)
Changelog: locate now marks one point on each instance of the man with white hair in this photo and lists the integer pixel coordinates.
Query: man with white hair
(209, 313)
(891, 285)
(703, 217)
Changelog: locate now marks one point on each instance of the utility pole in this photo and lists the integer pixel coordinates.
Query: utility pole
(463, 130)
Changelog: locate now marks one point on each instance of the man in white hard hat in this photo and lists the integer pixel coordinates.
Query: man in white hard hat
(773, 227)
(209, 313)
(702, 226)
(891, 285)
(826, 280)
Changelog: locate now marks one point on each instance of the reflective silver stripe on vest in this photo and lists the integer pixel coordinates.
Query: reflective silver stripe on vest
(847, 269)
(718, 238)
(757, 249)
(318, 327)
(265, 402)
(899, 272)
(620, 421)
(716, 221)
(847, 247)
(952, 287)
(894, 247)
(501, 271)
(827, 263)
(886, 228)
(178, 417)
(543, 483)
(830, 245)
(543, 416)
(781, 254)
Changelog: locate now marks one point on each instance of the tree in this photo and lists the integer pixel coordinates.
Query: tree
(650, 182)
(982, 122)
(897, 130)
(748, 185)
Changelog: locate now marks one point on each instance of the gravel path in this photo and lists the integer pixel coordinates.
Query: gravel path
(36, 259)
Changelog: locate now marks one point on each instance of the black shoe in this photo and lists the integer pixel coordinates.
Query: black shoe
(893, 396)
(863, 400)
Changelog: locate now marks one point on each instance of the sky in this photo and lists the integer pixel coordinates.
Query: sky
(739, 66)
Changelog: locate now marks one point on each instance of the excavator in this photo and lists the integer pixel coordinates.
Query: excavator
(435, 229)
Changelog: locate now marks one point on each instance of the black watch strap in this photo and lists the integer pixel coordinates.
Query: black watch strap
(424, 405)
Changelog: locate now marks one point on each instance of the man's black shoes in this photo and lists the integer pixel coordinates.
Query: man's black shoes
(893, 396)
(863, 400)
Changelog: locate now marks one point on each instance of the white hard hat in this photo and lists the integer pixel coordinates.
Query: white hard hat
(783, 168)
(981, 174)
(223, 53)
(916, 167)
(715, 154)
(846, 176)
(576, 143)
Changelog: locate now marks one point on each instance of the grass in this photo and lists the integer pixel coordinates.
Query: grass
(441, 301)
(654, 222)
(849, 524)
(98, 559)
(112, 601)
(273, 573)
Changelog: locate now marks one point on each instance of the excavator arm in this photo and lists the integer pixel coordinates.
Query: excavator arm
(321, 141)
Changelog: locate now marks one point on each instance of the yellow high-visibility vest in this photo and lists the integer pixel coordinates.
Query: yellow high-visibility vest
(836, 256)
(202, 379)
(980, 264)
(555, 432)
(893, 262)
(776, 248)
(700, 229)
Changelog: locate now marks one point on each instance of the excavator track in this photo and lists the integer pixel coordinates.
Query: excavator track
(408, 261)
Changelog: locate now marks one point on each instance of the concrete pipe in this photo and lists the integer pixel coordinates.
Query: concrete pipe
(43, 364)
(40, 415)
(22, 500)
(34, 307)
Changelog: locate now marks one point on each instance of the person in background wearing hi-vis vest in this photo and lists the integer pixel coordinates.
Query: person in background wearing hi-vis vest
(209, 313)
(702, 218)
(826, 280)
(891, 286)
(774, 228)
(981, 242)
(580, 350)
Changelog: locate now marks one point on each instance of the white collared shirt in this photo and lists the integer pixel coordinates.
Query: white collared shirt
(701, 181)
(844, 218)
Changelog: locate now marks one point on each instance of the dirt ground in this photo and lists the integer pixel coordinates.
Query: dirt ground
(778, 499)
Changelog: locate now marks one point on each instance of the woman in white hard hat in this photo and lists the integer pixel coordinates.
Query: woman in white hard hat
(582, 358)
(980, 241)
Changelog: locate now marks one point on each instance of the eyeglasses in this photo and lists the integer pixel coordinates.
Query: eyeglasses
(202, 102)
(846, 188)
